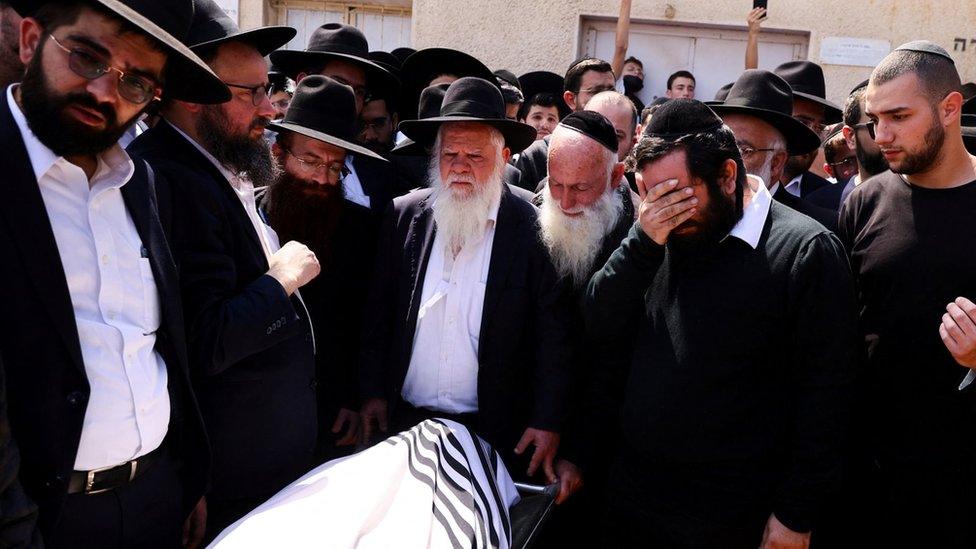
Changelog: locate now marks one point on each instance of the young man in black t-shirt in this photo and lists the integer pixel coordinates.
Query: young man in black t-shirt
(910, 233)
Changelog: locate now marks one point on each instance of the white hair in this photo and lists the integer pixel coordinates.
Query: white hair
(461, 218)
(765, 172)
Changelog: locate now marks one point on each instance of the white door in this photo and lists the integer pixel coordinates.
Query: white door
(716, 56)
(385, 29)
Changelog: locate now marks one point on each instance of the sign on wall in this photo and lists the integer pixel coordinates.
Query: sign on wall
(857, 52)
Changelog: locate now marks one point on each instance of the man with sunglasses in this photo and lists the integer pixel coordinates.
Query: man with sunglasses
(111, 439)
(910, 232)
(250, 340)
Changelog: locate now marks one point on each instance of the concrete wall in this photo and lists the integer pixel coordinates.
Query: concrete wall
(544, 34)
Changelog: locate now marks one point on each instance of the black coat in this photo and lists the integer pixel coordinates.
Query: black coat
(533, 162)
(380, 182)
(811, 182)
(251, 350)
(47, 385)
(524, 374)
(826, 217)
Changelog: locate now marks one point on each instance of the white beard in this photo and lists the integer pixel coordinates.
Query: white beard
(765, 172)
(462, 218)
(574, 242)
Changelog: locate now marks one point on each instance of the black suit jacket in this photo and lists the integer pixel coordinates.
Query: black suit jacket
(250, 344)
(379, 180)
(523, 355)
(533, 162)
(826, 217)
(46, 380)
(811, 182)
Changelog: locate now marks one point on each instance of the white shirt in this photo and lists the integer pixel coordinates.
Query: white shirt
(352, 187)
(750, 227)
(793, 187)
(114, 298)
(443, 371)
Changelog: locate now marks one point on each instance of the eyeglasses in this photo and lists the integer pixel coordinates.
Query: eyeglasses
(746, 152)
(133, 88)
(361, 92)
(258, 93)
(337, 171)
(281, 104)
(844, 167)
(869, 126)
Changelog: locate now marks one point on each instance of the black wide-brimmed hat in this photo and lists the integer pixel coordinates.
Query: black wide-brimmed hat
(807, 80)
(324, 109)
(386, 60)
(212, 27)
(768, 97)
(472, 99)
(166, 22)
(536, 82)
(335, 41)
(431, 100)
(425, 65)
(402, 54)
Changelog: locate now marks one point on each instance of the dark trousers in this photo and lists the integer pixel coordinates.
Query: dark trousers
(147, 513)
(678, 507)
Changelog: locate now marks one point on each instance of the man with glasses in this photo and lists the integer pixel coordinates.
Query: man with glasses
(812, 109)
(112, 443)
(910, 232)
(379, 122)
(250, 340)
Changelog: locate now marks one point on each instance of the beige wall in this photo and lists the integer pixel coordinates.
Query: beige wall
(544, 34)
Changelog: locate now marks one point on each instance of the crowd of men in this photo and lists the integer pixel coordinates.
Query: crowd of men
(222, 272)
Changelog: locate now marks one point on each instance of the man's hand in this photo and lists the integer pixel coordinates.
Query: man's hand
(663, 207)
(778, 536)
(570, 480)
(195, 525)
(755, 19)
(293, 266)
(373, 409)
(546, 443)
(958, 331)
(350, 419)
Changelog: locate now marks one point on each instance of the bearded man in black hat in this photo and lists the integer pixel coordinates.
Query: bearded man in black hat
(305, 204)
(467, 318)
(758, 110)
(341, 52)
(735, 398)
(251, 344)
(810, 107)
(909, 232)
(113, 447)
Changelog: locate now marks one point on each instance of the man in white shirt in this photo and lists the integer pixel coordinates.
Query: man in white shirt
(467, 318)
(112, 441)
(250, 340)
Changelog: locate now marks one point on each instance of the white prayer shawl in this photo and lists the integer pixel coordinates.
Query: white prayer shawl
(436, 485)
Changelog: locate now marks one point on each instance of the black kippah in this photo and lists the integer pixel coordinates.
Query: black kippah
(681, 117)
(859, 86)
(593, 125)
(925, 46)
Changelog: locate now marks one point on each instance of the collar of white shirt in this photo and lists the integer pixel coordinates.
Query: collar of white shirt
(793, 187)
(42, 159)
(750, 226)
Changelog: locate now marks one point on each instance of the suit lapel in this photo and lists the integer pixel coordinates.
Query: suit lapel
(507, 231)
(420, 241)
(29, 226)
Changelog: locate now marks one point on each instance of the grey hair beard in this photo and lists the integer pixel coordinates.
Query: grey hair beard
(574, 242)
(766, 172)
(462, 219)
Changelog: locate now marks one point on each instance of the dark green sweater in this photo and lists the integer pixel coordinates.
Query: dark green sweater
(744, 358)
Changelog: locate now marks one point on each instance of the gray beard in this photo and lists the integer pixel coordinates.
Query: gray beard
(461, 220)
(575, 242)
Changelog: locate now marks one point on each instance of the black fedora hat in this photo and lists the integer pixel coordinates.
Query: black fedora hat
(425, 65)
(509, 77)
(212, 27)
(335, 41)
(807, 80)
(536, 82)
(431, 100)
(166, 22)
(472, 99)
(402, 54)
(766, 96)
(324, 109)
(386, 60)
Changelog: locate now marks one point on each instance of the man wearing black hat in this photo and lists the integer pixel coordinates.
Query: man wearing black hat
(341, 52)
(251, 346)
(305, 204)
(810, 107)
(467, 319)
(734, 399)
(909, 232)
(543, 107)
(511, 92)
(112, 443)
(759, 110)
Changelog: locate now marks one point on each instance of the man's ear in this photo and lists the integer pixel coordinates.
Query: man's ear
(570, 99)
(31, 32)
(950, 109)
(828, 169)
(506, 154)
(730, 174)
(299, 76)
(617, 175)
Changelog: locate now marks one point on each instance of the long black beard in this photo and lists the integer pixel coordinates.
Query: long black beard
(873, 163)
(238, 152)
(305, 212)
(717, 220)
(65, 136)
